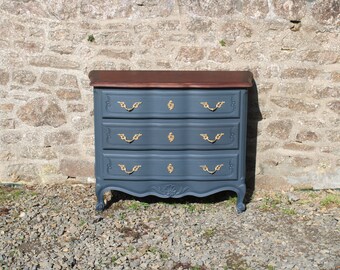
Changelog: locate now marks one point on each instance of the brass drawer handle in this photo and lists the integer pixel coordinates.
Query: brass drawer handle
(134, 169)
(134, 105)
(134, 138)
(218, 105)
(206, 169)
(217, 137)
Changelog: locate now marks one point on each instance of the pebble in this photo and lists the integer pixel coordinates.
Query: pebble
(292, 197)
(97, 219)
(64, 231)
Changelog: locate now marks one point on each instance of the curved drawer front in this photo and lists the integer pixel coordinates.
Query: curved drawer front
(170, 134)
(170, 103)
(157, 165)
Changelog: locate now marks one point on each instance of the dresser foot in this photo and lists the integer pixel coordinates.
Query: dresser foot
(240, 207)
(100, 198)
(100, 206)
(241, 193)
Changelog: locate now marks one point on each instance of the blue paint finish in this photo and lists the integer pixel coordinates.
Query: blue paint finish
(186, 165)
(153, 151)
(186, 134)
(187, 103)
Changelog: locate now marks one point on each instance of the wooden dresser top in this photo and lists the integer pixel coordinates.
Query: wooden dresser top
(171, 79)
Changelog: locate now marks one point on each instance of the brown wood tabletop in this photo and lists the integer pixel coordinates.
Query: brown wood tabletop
(171, 79)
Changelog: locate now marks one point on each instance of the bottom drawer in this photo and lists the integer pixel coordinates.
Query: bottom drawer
(170, 165)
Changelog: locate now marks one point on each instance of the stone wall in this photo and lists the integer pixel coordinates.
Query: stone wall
(47, 49)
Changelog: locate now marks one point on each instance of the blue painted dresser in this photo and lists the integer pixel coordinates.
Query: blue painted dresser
(170, 133)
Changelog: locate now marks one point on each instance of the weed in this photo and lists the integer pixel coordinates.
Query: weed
(114, 259)
(130, 249)
(231, 201)
(33, 193)
(270, 267)
(10, 194)
(270, 203)
(14, 253)
(122, 216)
(289, 211)
(209, 233)
(138, 205)
(144, 204)
(222, 43)
(164, 255)
(190, 207)
(313, 195)
(82, 222)
(153, 250)
(330, 200)
(90, 38)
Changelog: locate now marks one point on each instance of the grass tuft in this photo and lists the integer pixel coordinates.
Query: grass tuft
(10, 194)
(331, 200)
(135, 205)
(208, 233)
(289, 211)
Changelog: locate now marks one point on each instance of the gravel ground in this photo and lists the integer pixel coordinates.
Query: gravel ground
(56, 227)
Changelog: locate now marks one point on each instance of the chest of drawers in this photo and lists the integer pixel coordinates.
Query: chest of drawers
(170, 133)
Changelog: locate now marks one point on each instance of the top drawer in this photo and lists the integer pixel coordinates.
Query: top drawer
(155, 103)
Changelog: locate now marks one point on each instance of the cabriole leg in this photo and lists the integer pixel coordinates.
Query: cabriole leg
(100, 200)
(240, 206)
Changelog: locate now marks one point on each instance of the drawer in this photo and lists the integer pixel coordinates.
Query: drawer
(171, 165)
(170, 134)
(170, 103)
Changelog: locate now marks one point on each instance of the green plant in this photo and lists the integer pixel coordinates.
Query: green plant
(330, 200)
(222, 43)
(82, 222)
(90, 38)
(138, 205)
(313, 194)
(114, 259)
(208, 233)
(271, 202)
(122, 216)
(164, 255)
(190, 207)
(231, 201)
(289, 211)
(153, 250)
(10, 194)
(130, 249)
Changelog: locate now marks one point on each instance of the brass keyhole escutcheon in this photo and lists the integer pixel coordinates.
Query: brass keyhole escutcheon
(171, 137)
(171, 105)
(170, 168)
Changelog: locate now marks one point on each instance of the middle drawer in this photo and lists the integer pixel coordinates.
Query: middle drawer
(170, 134)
